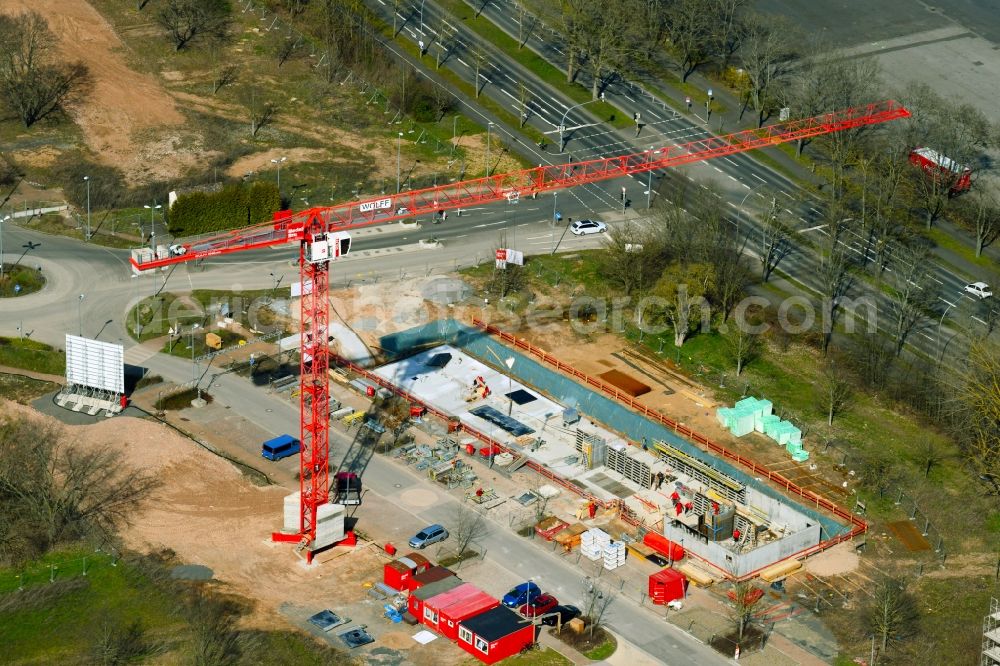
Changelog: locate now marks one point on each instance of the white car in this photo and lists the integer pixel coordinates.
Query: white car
(980, 290)
(177, 250)
(584, 227)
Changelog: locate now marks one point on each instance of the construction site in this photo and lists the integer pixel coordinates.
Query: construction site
(600, 450)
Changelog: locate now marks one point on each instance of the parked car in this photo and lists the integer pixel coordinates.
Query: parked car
(280, 447)
(520, 594)
(584, 227)
(428, 536)
(559, 614)
(539, 605)
(980, 290)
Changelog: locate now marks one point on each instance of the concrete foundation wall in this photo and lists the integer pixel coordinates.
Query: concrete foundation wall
(741, 564)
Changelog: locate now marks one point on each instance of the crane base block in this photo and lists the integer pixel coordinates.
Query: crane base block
(284, 537)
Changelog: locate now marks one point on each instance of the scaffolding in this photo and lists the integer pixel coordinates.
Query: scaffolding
(991, 635)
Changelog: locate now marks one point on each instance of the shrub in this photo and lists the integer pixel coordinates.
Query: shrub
(236, 205)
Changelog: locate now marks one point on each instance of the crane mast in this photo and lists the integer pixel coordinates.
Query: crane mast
(321, 234)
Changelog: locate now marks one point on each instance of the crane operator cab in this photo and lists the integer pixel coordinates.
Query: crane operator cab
(326, 246)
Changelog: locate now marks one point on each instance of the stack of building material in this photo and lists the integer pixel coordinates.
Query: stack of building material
(745, 416)
(592, 543)
(614, 555)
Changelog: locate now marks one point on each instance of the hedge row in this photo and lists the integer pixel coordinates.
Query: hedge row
(236, 205)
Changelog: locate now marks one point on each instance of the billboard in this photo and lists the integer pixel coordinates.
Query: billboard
(95, 364)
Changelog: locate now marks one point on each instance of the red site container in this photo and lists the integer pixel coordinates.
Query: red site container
(667, 585)
(398, 573)
(444, 611)
(432, 575)
(664, 546)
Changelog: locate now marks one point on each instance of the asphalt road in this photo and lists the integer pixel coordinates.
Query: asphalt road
(388, 516)
(741, 180)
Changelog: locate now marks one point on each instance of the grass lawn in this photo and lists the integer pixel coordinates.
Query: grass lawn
(56, 224)
(964, 247)
(31, 355)
(57, 622)
(20, 281)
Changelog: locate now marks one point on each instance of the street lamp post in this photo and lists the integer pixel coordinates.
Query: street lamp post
(152, 226)
(940, 323)
(562, 123)
(79, 313)
(87, 180)
(740, 210)
(194, 368)
(1, 245)
(399, 147)
(422, 18)
(489, 126)
(278, 162)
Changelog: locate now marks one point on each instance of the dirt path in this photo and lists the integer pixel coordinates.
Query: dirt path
(121, 102)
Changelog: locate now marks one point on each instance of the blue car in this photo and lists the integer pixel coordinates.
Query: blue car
(429, 535)
(521, 594)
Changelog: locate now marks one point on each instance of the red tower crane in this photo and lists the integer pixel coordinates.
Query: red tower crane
(321, 235)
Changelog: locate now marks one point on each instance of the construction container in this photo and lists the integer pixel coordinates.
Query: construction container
(415, 604)
(666, 586)
(444, 611)
(397, 574)
(432, 575)
(664, 546)
(548, 527)
(570, 537)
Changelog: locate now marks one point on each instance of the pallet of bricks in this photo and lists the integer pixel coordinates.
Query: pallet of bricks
(596, 544)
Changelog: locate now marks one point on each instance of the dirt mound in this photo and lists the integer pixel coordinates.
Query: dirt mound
(210, 515)
(121, 102)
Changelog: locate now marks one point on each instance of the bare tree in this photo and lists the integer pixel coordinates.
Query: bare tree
(612, 41)
(32, 81)
(727, 28)
(596, 600)
(833, 390)
(689, 29)
(835, 281)
(63, 491)
(774, 235)
(911, 293)
(891, 616)
(732, 277)
(879, 472)
(480, 58)
(742, 345)
(285, 46)
(523, 101)
(882, 185)
(767, 56)
(873, 357)
(215, 634)
(468, 528)
(260, 111)
(186, 19)
(744, 601)
(960, 133)
(985, 214)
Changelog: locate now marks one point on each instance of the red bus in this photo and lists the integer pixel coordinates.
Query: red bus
(939, 166)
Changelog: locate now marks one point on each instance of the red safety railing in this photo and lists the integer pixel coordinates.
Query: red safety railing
(859, 526)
